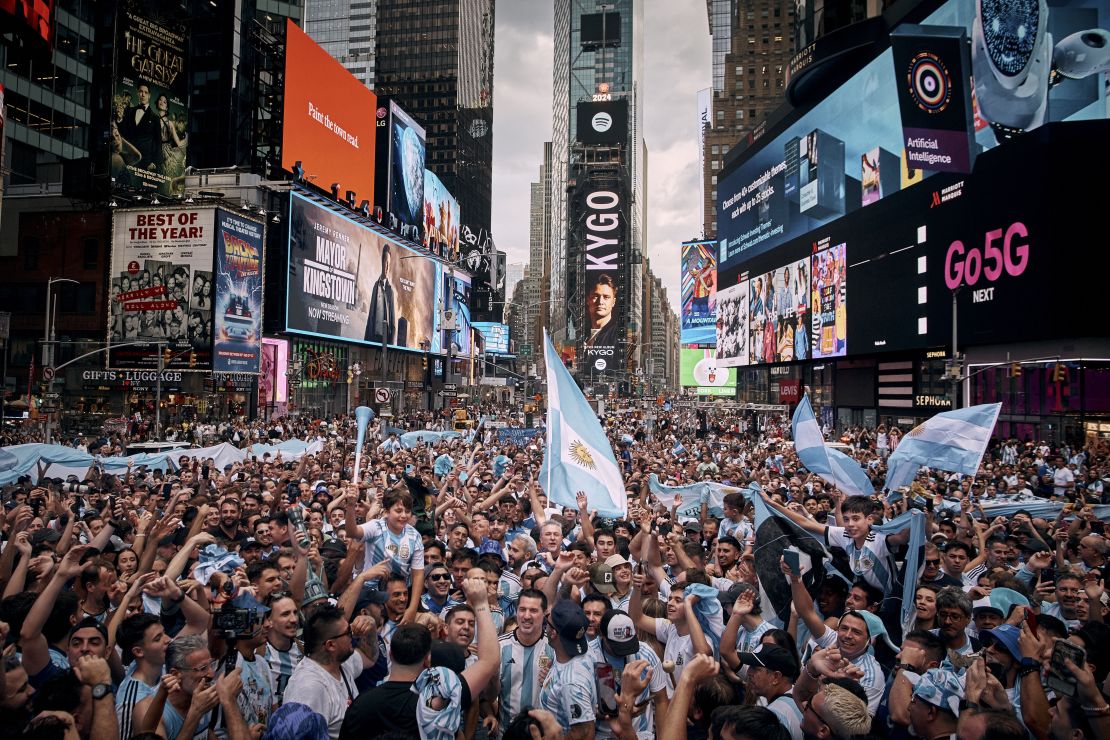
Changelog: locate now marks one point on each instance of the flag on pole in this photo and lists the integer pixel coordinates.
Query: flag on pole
(954, 441)
(831, 465)
(579, 456)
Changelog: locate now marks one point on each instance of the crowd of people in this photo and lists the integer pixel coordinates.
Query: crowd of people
(442, 594)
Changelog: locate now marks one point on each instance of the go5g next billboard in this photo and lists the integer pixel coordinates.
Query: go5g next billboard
(349, 282)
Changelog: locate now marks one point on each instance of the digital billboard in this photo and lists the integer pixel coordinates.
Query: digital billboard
(406, 167)
(33, 19)
(238, 291)
(162, 287)
(810, 172)
(273, 386)
(732, 325)
(148, 132)
(699, 368)
(329, 119)
(600, 212)
(349, 282)
(778, 314)
(829, 291)
(699, 292)
(441, 217)
(603, 122)
(456, 298)
(496, 337)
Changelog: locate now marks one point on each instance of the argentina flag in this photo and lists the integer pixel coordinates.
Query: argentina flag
(579, 456)
(954, 441)
(832, 465)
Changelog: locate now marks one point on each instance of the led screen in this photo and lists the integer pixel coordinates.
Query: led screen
(329, 121)
(699, 368)
(699, 292)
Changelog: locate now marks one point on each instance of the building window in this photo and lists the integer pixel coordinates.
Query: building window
(739, 114)
(714, 149)
(91, 253)
(715, 165)
(713, 180)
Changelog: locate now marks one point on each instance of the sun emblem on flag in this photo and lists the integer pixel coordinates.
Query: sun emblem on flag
(916, 432)
(581, 455)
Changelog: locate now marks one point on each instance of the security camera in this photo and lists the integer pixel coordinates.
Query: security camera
(1011, 58)
(1082, 54)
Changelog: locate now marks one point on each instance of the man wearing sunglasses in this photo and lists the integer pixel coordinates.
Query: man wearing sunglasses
(932, 575)
(437, 592)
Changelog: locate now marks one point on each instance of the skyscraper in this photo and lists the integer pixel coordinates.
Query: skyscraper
(347, 30)
(598, 58)
(435, 58)
(752, 45)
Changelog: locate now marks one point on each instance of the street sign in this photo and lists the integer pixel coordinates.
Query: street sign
(47, 409)
(525, 350)
(448, 394)
(449, 386)
(48, 373)
(382, 395)
(51, 396)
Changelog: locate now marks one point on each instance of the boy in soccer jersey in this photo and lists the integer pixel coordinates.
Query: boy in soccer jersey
(392, 537)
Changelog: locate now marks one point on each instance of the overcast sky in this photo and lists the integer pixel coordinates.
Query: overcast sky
(677, 65)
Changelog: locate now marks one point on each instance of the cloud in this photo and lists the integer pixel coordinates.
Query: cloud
(676, 66)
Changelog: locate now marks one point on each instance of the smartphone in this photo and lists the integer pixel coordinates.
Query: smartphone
(793, 559)
(1031, 620)
(1059, 679)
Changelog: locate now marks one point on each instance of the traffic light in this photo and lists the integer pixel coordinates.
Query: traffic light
(1060, 373)
(167, 353)
(424, 362)
(192, 359)
(1015, 369)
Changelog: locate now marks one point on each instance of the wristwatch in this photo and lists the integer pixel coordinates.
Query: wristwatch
(101, 690)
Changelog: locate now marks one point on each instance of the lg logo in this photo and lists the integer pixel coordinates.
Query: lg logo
(602, 122)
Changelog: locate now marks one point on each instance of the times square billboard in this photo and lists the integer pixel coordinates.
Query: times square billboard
(882, 256)
(599, 210)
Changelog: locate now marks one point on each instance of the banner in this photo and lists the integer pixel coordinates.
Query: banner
(348, 282)
(161, 287)
(496, 337)
(829, 279)
(456, 298)
(600, 212)
(699, 293)
(699, 368)
(518, 436)
(603, 122)
(148, 134)
(238, 293)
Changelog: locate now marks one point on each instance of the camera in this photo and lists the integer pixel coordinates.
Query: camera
(296, 519)
(74, 488)
(231, 622)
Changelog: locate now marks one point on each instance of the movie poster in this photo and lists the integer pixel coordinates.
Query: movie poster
(273, 387)
(162, 287)
(238, 294)
(348, 282)
(148, 133)
(829, 303)
(732, 325)
(699, 293)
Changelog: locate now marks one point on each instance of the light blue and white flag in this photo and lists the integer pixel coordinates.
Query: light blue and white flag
(831, 465)
(678, 450)
(954, 441)
(579, 456)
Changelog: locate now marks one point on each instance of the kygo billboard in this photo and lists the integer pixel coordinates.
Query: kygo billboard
(600, 213)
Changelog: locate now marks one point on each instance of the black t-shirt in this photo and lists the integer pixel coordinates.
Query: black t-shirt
(389, 707)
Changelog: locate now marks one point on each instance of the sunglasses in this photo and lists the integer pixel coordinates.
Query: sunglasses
(439, 577)
(933, 562)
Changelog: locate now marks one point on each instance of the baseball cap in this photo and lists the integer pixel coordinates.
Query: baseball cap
(615, 561)
(570, 623)
(692, 526)
(618, 629)
(491, 546)
(601, 578)
(774, 658)
(1000, 601)
(941, 688)
(250, 543)
(1005, 634)
(90, 623)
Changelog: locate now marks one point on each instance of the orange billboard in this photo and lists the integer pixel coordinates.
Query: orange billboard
(329, 119)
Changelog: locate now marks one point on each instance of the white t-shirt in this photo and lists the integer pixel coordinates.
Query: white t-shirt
(1061, 477)
(314, 686)
(677, 648)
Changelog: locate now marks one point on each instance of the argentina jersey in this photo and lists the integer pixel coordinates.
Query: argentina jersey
(523, 668)
(868, 562)
(282, 663)
(404, 550)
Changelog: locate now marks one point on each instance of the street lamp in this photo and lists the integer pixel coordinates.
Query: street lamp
(48, 343)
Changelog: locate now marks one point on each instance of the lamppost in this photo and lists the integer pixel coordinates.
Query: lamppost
(48, 343)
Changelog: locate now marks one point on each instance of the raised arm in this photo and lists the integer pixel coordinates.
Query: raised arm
(35, 648)
(804, 522)
(636, 607)
(479, 673)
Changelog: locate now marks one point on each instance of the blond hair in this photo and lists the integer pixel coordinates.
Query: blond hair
(846, 714)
